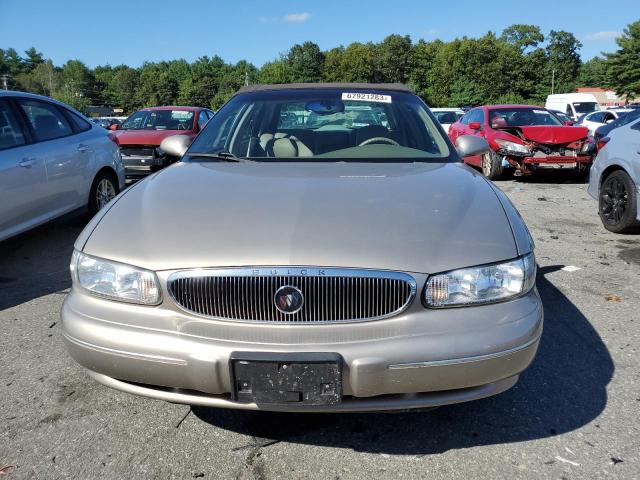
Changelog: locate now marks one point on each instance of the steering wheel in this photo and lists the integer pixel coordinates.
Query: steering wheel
(390, 141)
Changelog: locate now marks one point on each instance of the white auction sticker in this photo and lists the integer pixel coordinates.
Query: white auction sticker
(366, 97)
(543, 112)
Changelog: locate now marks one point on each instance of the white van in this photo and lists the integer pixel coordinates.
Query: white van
(573, 104)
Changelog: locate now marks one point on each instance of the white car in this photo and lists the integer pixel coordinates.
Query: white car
(52, 160)
(596, 119)
(447, 116)
(614, 179)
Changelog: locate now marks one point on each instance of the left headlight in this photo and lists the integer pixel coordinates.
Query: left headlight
(113, 280)
(483, 284)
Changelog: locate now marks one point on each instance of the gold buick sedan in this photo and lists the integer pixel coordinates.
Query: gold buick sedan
(317, 248)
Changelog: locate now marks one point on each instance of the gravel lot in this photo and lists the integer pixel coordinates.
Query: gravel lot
(574, 414)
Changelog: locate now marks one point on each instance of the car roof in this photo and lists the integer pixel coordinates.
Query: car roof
(174, 107)
(392, 87)
(494, 107)
(15, 93)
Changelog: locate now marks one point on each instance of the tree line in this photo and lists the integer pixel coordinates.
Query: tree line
(520, 65)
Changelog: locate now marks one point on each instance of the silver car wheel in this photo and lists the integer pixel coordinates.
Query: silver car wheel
(105, 192)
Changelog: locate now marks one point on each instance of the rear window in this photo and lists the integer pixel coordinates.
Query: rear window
(79, 123)
(355, 115)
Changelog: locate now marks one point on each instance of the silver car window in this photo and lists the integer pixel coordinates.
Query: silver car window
(46, 120)
(10, 132)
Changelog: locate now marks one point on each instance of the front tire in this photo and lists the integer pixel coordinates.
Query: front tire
(618, 204)
(103, 190)
(492, 165)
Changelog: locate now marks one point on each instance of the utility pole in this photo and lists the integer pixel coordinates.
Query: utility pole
(246, 78)
(553, 81)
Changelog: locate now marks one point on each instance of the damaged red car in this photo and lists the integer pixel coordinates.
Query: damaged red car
(525, 138)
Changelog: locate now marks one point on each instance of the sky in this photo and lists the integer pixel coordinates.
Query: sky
(134, 31)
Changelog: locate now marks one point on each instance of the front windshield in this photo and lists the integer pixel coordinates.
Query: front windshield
(324, 125)
(520, 117)
(159, 120)
(585, 107)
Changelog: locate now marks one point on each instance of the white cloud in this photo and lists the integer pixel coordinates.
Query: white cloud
(606, 35)
(297, 17)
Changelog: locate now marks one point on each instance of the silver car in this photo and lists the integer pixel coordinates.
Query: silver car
(614, 179)
(314, 265)
(52, 161)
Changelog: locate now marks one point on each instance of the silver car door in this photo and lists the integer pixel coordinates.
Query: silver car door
(67, 154)
(23, 179)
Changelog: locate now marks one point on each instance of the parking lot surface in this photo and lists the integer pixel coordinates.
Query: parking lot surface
(574, 414)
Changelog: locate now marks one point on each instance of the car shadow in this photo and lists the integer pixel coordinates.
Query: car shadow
(36, 263)
(564, 389)
(552, 177)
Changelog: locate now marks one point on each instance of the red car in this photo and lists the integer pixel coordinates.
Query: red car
(526, 138)
(140, 135)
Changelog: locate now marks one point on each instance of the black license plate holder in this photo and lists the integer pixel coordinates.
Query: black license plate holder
(286, 378)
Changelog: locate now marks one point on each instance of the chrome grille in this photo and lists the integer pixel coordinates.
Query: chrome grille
(330, 295)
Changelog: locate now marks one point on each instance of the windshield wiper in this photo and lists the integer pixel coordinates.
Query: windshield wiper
(226, 156)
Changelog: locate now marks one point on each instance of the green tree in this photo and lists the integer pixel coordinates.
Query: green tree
(156, 86)
(358, 63)
(33, 59)
(523, 36)
(77, 85)
(563, 60)
(593, 73)
(333, 59)
(623, 66)
(274, 72)
(45, 78)
(120, 90)
(393, 59)
(305, 62)
(424, 54)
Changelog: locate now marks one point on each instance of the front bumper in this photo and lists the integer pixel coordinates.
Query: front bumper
(550, 162)
(139, 166)
(420, 358)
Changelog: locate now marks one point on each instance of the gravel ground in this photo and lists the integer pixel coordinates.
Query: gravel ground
(574, 414)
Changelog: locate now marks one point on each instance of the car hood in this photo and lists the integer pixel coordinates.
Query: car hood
(145, 137)
(406, 216)
(552, 134)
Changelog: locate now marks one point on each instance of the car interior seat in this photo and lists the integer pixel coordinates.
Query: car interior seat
(281, 144)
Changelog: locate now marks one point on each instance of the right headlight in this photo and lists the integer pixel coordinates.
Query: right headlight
(482, 284)
(513, 146)
(114, 280)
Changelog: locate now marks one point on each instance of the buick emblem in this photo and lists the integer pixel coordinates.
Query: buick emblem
(288, 299)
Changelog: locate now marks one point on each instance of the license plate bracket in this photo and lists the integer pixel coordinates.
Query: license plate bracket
(286, 378)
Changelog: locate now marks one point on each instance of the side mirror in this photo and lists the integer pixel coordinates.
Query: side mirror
(470, 145)
(175, 145)
(115, 126)
(475, 125)
(568, 123)
(609, 121)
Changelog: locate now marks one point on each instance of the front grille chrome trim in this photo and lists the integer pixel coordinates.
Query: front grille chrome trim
(332, 295)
